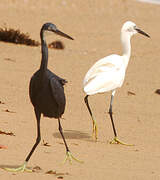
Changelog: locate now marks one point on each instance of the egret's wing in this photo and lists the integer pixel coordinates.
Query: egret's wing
(103, 65)
(104, 81)
(104, 75)
(97, 70)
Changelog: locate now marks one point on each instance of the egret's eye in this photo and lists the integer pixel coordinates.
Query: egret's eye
(130, 29)
(135, 27)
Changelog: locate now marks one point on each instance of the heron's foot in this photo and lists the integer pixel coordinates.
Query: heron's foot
(19, 169)
(95, 131)
(69, 157)
(117, 141)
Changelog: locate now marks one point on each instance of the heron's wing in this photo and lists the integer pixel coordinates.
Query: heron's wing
(33, 90)
(30, 88)
(57, 91)
(52, 75)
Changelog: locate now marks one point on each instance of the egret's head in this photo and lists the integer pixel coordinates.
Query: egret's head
(130, 29)
(52, 28)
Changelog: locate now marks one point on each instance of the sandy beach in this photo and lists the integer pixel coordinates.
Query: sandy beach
(95, 25)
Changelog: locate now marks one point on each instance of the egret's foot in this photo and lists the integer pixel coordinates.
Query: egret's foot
(69, 157)
(19, 169)
(117, 141)
(95, 131)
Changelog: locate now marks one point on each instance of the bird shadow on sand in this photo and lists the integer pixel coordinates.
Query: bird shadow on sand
(73, 134)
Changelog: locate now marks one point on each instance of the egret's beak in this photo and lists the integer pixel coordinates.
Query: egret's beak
(63, 34)
(142, 32)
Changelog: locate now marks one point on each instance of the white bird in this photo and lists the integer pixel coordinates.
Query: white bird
(108, 74)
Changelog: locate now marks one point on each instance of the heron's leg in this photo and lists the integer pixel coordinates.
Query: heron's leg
(69, 155)
(95, 131)
(23, 167)
(115, 140)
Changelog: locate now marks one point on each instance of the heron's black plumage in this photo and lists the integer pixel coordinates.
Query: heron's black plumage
(46, 89)
(47, 93)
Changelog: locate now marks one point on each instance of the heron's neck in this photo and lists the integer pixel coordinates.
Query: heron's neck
(126, 45)
(44, 51)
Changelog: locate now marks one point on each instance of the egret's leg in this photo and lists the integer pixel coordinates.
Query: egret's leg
(115, 140)
(23, 167)
(69, 155)
(95, 130)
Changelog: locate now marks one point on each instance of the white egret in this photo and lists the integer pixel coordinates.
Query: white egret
(108, 74)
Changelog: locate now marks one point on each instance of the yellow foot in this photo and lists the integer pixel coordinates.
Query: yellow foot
(117, 141)
(19, 169)
(69, 157)
(95, 131)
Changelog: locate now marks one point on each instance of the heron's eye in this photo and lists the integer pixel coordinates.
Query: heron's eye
(49, 28)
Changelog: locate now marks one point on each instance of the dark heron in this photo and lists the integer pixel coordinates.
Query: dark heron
(47, 94)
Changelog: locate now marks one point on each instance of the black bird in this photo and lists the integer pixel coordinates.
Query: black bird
(47, 94)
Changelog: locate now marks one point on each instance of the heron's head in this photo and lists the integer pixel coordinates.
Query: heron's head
(52, 28)
(130, 28)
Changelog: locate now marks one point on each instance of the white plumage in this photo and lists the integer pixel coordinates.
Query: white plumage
(108, 73)
(105, 75)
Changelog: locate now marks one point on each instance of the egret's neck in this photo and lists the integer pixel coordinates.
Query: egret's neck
(126, 45)
(44, 51)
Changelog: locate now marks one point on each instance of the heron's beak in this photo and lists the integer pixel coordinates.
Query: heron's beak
(63, 34)
(142, 32)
